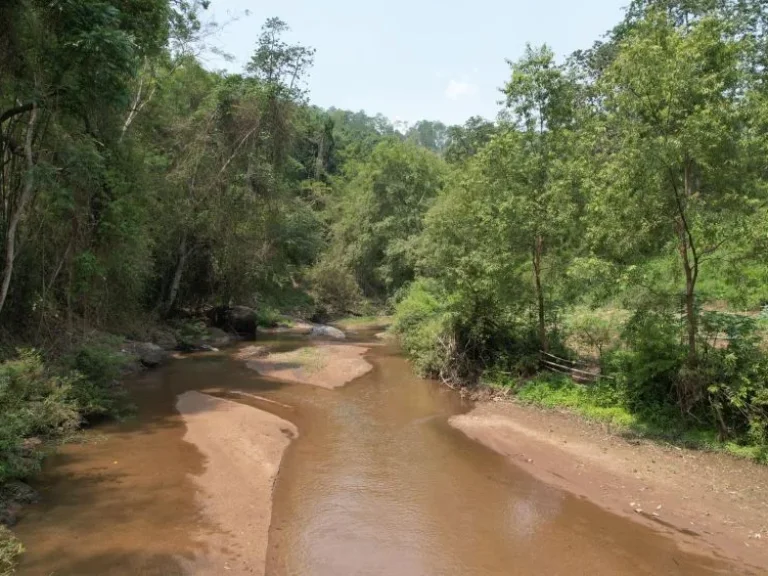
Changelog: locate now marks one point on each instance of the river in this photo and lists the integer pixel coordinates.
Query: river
(376, 483)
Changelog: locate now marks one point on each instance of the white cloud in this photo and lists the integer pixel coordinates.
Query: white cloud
(458, 89)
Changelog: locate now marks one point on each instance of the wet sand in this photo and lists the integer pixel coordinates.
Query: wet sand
(243, 447)
(704, 501)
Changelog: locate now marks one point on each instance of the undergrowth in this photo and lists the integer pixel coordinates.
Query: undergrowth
(599, 403)
(10, 550)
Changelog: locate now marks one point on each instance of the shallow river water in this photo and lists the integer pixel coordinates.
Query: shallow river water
(377, 483)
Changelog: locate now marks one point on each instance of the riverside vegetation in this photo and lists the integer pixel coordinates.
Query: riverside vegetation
(614, 212)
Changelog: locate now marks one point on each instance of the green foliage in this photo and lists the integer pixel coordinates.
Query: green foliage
(422, 322)
(334, 287)
(555, 391)
(268, 317)
(191, 333)
(96, 369)
(34, 403)
(378, 215)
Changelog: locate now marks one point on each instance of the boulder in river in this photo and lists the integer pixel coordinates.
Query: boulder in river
(323, 331)
(164, 337)
(241, 320)
(149, 354)
(218, 338)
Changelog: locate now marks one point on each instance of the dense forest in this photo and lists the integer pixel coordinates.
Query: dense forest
(613, 215)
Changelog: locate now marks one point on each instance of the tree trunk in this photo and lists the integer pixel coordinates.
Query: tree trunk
(177, 274)
(538, 250)
(690, 313)
(690, 260)
(16, 215)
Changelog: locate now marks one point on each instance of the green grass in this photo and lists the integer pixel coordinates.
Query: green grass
(595, 403)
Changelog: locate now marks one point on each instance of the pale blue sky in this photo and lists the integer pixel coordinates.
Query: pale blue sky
(415, 59)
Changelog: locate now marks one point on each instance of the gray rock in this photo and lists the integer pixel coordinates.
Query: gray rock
(218, 338)
(322, 331)
(149, 354)
(165, 338)
(238, 319)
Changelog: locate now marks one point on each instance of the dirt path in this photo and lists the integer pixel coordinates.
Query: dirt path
(243, 447)
(708, 502)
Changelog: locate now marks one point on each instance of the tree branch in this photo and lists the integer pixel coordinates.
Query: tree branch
(11, 112)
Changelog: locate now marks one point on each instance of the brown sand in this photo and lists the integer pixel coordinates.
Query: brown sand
(324, 365)
(709, 502)
(243, 447)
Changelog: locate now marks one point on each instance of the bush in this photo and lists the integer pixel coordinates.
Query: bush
(95, 372)
(334, 287)
(421, 322)
(268, 317)
(647, 369)
(33, 403)
(191, 333)
(458, 337)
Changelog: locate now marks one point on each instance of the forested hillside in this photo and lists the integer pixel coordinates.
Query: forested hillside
(613, 214)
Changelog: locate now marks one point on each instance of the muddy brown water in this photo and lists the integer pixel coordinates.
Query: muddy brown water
(377, 483)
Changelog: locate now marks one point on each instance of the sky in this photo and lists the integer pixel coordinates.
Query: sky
(413, 59)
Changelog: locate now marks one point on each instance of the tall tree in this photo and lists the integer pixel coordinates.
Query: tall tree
(677, 170)
(540, 98)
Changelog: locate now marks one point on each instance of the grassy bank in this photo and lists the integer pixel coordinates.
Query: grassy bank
(599, 403)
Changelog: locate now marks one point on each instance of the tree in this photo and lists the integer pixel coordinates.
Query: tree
(379, 214)
(465, 141)
(431, 135)
(278, 64)
(540, 97)
(676, 171)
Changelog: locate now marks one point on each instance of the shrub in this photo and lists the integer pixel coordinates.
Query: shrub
(95, 371)
(421, 322)
(458, 337)
(646, 370)
(334, 287)
(268, 317)
(33, 403)
(191, 333)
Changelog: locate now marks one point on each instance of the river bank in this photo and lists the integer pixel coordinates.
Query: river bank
(706, 501)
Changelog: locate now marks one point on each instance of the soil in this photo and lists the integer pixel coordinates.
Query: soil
(709, 502)
(324, 365)
(243, 447)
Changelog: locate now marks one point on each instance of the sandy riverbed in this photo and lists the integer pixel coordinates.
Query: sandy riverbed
(324, 365)
(708, 502)
(243, 447)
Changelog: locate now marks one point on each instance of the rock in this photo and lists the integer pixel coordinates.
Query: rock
(218, 338)
(20, 492)
(12, 496)
(165, 338)
(238, 319)
(9, 513)
(322, 331)
(149, 354)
